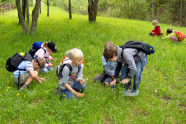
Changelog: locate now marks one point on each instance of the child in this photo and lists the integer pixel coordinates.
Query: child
(108, 68)
(45, 51)
(72, 83)
(157, 30)
(171, 34)
(130, 69)
(31, 72)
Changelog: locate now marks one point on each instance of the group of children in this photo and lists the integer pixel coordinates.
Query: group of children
(176, 36)
(116, 61)
(71, 84)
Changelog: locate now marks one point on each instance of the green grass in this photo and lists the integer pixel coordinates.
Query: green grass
(165, 72)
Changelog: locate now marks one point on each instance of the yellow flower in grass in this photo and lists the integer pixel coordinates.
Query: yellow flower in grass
(17, 94)
(164, 89)
(9, 87)
(6, 90)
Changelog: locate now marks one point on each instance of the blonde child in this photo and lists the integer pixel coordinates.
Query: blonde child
(45, 51)
(72, 83)
(157, 29)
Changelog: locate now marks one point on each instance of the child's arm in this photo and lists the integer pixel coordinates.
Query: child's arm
(34, 76)
(77, 94)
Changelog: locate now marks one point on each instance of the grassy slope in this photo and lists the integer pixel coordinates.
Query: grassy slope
(165, 72)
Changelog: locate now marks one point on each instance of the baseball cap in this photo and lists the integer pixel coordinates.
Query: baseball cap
(51, 45)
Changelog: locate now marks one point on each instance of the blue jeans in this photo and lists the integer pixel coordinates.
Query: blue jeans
(76, 86)
(137, 77)
(46, 69)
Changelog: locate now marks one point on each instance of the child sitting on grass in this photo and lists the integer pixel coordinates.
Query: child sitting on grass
(172, 34)
(108, 68)
(72, 83)
(31, 72)
(157, 29)
(45, 51)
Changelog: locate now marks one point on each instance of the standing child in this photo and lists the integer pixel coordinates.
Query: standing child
(176, 36)
(45, 51)
(157, 29)
(108, 68)
(30, 73)
(72, 82)
(129, 66)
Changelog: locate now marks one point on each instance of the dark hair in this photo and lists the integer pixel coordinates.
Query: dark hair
(110, 52)
(169, 30)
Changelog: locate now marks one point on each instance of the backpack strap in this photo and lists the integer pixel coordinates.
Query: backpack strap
(123, 50)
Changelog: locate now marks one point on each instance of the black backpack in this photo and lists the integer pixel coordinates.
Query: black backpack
(13, 62)
(139, 45)
(60, 69)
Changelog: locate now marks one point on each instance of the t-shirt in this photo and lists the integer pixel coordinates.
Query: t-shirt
(23, 65)
(70, 79)
(109, 67)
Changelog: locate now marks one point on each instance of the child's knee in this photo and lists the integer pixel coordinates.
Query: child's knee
(83, 86)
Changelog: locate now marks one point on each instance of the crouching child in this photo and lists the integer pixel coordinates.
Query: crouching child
(72, 83)
(28, 71)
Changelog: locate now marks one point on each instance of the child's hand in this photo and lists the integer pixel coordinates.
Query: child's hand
(51, 65)
(51, 59)
(42, 79)
(113, 83)
(124, 81)
(78, 95)
(81, 81)
(163, 38)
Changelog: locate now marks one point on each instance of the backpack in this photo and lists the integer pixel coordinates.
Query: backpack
(180, 35)
(35, 47)
(14, 61)
(139, 45)
(65, 62)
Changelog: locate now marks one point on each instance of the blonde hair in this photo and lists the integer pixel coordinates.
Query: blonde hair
(41, 61)
(154, 22)
(109, 44)
(44, 44)
(75, 53)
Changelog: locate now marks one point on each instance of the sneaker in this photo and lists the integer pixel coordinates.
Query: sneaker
(23, 87)
(57, 90)
(131, 93)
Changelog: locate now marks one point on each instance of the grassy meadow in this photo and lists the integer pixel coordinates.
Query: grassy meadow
(162, 97)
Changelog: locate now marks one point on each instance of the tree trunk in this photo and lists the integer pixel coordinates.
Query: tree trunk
(154, 9)
(92, 9)
(35, 15)
(20, 14)
(27, 16)
(24, 8)
(40, 6)
(182, 12)
(48, 4)
(70, 12)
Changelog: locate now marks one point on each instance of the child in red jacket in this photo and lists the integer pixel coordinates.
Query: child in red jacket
(157, 30)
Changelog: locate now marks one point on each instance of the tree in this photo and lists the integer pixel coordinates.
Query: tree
(92, 9)
(35, 15)
(47, 2)
(70, 12)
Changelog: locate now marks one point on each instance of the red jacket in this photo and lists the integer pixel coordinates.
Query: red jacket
(157, 30)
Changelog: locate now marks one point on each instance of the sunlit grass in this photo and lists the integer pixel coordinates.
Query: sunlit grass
(162, 90)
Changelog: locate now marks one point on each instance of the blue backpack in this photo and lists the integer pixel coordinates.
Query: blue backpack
(35, 47)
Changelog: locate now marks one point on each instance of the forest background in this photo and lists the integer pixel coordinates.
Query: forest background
(165, 11)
